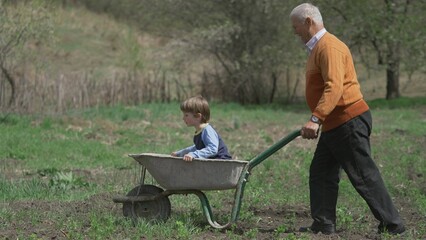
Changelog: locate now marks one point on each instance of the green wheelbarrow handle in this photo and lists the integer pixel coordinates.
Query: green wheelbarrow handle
(271, 150)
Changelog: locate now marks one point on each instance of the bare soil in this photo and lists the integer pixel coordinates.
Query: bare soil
(269, 226)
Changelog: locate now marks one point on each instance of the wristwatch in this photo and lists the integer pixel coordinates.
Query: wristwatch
(315, 119)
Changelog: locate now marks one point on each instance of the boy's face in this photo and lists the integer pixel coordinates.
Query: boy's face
(192, 119)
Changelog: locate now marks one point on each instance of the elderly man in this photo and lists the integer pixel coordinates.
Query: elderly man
(333, 94)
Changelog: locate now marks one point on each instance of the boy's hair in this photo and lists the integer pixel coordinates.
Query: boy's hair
(197, 105)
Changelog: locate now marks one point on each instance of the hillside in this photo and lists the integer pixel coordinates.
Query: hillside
(89, 60)
(90, 41)
(94, 59)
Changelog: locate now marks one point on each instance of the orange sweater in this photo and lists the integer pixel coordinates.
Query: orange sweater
(332, 90)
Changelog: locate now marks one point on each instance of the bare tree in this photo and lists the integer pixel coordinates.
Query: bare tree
(248, 42)
(391, 29)
(20, 22)
(247, 38)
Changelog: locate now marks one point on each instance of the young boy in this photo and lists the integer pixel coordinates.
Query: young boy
(207, 142)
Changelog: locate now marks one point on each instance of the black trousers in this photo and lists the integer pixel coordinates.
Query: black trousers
(347, 147)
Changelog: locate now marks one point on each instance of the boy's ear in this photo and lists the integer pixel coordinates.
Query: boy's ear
(198, 115)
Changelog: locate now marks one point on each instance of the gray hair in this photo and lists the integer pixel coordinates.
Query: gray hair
(306, 10)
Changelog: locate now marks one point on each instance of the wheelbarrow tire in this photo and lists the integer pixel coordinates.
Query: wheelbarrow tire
(156, 210)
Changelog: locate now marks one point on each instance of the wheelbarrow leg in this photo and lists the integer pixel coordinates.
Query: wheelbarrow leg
(206, 208)
(205, 205)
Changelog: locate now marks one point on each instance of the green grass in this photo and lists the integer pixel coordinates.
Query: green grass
(67, 160)
(403, 102)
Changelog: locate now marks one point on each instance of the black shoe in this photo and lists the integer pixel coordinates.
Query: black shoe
(392, 230)
(326, 229)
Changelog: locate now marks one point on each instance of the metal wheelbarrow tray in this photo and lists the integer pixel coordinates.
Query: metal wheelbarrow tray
(172, 173)
(176, 176)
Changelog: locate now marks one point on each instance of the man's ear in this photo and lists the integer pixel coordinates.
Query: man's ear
(308, 21)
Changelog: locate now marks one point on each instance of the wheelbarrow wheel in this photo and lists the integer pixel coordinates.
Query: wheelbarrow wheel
(156, 210)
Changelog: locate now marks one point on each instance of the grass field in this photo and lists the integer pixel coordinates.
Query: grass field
(58, 174)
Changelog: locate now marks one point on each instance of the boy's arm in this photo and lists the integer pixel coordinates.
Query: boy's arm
(184, 151)
(211, 141)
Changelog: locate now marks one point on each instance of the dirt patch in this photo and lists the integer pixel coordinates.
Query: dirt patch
(43, 224)
(46, 219)
(274, 222)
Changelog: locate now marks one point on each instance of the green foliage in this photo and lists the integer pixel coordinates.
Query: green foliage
(281, 229)
(184, 230)
(344, 217)
(253, 43)
(251, 234)
(384, 33)
(248, 40)
(65, 181)
(248, 43)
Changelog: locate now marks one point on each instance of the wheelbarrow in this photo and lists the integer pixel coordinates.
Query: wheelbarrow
(176, 176)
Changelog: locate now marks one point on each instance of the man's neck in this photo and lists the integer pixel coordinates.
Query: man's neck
(315, 29)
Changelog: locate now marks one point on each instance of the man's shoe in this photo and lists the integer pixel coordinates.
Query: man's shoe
(326, 229)
(392, 230)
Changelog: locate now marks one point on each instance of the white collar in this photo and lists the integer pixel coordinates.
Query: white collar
(313, 41)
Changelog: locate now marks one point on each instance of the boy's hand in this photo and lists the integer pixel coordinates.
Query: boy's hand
(187, 158)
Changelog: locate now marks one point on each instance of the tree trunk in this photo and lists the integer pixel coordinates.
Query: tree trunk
(11, 81)
(274, 87)
(392, 73)
(392, 87)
